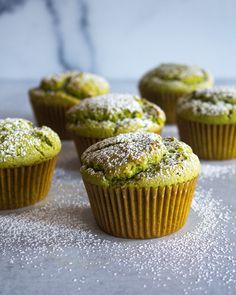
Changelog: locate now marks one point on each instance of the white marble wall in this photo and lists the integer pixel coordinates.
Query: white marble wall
(119, 39)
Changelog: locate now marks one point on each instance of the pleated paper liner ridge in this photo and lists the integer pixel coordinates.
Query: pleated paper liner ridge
(209, 141)
(53, 116)
(141, 213)
(24, 186)
(167, 101)
(83, 142)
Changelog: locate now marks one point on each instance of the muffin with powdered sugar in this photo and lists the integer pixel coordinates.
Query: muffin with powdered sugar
(207, 122)
(165, 84)
(57, 93)
(27, 160)
(109, 115)
(140, 185)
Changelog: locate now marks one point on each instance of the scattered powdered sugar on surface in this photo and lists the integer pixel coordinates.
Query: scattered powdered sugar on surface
(214, 171)
(199, 257)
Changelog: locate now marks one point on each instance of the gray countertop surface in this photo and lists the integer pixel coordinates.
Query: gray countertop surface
(55, 247)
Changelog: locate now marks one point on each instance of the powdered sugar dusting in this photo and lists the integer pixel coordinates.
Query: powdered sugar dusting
(176, 72)
(140, 156)
(217, 93)
(21, 143)
(113, 113)
(113, 153)
(209, 102)
(72, 80)
(112, 103)
(58, 241)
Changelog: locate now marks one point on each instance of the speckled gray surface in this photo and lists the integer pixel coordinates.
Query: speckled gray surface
(55, 247)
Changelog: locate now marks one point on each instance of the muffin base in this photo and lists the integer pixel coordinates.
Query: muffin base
(141, 213)
(209, 141)
(53, 116)
(167, 101)
(82, 143)
(24, 186)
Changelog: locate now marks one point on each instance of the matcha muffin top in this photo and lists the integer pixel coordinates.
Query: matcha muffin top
(175, 78)
(69, 88)
(21, 144)
(111, 114)
(139, 159)
(213, 106)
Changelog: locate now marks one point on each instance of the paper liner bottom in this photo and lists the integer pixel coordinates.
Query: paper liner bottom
(53, 116)
(24, 186)
(209, 141)
(141, 213)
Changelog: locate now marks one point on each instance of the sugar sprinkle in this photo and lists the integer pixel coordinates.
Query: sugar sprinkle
(196, 258)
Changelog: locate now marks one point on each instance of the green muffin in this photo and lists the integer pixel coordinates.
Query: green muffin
(165, 84)
(57, 93)
(140, 185)
(111, 114)
(27, 160)
(207, 121)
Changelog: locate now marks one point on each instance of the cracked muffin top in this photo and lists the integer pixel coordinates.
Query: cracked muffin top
(213, 106)
(69, 88)
(21, 144)
(139, 159)
(111, 114)
(175, 77)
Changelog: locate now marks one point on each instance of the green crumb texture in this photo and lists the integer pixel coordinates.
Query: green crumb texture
(21, 144)
(111, 114)
(176, 78)
(210, 106)
(139, 159)
(68, 88)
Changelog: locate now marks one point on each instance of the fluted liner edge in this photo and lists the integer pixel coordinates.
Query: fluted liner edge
(209, 141)
(53, 116)
(24, 186)
(141, 213)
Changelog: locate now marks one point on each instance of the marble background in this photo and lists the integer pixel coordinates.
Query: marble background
(118, 39)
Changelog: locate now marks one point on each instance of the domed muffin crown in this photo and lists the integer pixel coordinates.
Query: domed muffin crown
(69, 87)
(139, 159)
(112, 114)
(180, 72)
(170, 76)
(21, 144)
(216, 105)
